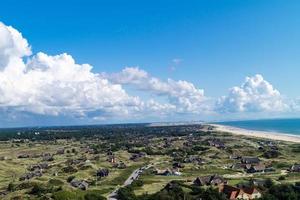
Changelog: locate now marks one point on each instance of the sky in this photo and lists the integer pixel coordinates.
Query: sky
(93, 62)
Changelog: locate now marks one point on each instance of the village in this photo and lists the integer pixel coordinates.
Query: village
(141, 161)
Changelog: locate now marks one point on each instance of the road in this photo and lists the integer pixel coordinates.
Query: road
(133, 176)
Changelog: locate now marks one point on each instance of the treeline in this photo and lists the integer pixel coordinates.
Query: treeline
(176, 190)
(107, 132)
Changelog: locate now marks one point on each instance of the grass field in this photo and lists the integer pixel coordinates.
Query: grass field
(217, 161)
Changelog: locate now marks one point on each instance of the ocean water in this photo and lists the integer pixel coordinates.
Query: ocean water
(286, 126)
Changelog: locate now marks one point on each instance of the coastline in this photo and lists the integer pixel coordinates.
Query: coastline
(257, 134)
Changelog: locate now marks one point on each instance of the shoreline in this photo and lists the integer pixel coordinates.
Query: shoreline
(257, 134)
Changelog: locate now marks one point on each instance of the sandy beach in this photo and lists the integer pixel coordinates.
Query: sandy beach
(260, 134)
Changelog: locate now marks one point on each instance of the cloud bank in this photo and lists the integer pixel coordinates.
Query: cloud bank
(182, 95)
(254, 95)
(55, 85)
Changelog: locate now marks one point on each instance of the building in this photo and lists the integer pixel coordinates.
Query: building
(234, 193)
(250, 160)
(295, 168)
(256, 168)
(216, 143)
(213, 180)
(81, 184)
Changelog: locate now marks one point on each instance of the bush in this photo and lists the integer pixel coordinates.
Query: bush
(55, 182)
(66, 195)
(70, 178)
(126, 193)
(69, 169)
(39, 189)
(93, 196)
(11, 187)
(137, 183)
(25, 185)
(283, 191)
(271, 154)
(268, 183)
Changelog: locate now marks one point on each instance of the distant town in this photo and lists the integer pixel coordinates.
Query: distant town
(143, 161)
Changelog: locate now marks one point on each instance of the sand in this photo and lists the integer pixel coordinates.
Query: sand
(258, 134)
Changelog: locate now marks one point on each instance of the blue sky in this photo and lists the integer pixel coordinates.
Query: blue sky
(216, 43)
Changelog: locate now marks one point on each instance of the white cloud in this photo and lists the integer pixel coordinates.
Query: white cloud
(58, 86)
(55, 85)
(254, 95)
(182, 95)
(12, 47)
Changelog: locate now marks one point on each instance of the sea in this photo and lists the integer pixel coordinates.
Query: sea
(285, 126)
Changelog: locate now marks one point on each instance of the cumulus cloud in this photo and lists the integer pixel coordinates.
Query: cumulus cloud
(254, 95)
(54, 85)
(182, 95)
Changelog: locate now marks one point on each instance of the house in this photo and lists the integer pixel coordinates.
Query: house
(256, 168)
(271, 154)
(213, 180)
(81, 184)
(47, 157)
(216, 143)
(102, 172)
(239, 166)
(195, 160)
(250, 160)
(137, 156)
(178, 165)
(120, 165)
(168, 172)
(30, 175)
(295, 168)
(23, 156)
(39, 166)
(74, 161)
(112, 159)
(252, 192)
(233, 193)
(60, 151)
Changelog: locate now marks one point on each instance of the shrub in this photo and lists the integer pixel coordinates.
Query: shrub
(56, 182)
(39, 189)
(69, 169)
(93, 196)
(70, 178)
(11, 187)
(137, 183)
(66, 195)
(283, 191)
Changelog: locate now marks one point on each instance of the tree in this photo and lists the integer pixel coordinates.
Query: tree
(280, 192)
(93, 196)
(268, 183)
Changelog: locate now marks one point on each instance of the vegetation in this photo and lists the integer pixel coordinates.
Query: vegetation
(62, 162)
